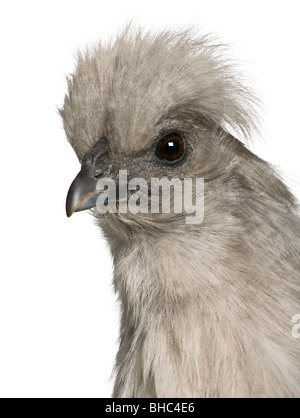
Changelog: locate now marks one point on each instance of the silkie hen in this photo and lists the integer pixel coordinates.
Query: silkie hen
(207, 307)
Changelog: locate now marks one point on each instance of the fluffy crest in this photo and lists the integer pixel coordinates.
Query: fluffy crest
(125, 87)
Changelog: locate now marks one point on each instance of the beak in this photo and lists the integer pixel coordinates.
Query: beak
(82, 193)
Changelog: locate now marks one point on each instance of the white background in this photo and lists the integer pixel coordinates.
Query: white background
(58, 314)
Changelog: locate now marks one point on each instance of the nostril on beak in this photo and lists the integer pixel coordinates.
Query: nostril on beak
(101, 172)
(97, 173)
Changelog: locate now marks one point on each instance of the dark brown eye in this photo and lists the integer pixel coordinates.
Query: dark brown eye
(171, 147)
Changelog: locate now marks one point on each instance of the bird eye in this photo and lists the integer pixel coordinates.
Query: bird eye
(171, 147)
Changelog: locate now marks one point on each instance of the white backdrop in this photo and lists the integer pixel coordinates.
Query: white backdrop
(58, 314)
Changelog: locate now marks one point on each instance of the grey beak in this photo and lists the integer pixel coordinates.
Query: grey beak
(82, 193)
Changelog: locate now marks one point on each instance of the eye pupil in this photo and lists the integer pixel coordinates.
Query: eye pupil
(171, 147)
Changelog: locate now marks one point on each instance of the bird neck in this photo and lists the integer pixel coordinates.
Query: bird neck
(194, 302)
(169, 295)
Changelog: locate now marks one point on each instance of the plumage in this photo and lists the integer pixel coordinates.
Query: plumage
(206, 310)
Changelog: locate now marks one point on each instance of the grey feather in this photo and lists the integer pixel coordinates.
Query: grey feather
(206, 309)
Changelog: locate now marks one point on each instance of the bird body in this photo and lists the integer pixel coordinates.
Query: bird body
(206, 309)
